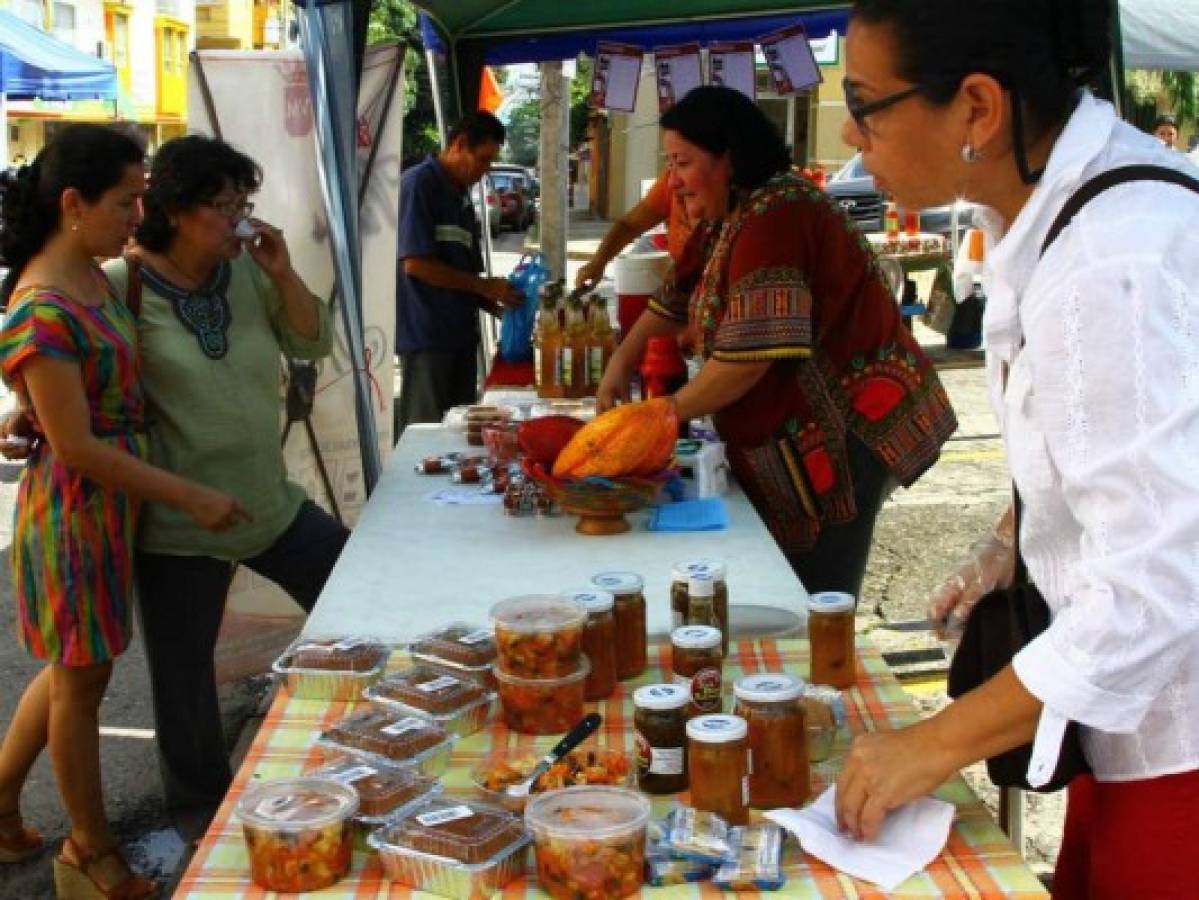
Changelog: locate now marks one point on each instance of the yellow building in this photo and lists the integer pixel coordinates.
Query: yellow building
(149, 43)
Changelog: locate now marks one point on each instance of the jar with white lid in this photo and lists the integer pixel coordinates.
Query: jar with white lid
(772, 704)
(831, 638)
(719, 766)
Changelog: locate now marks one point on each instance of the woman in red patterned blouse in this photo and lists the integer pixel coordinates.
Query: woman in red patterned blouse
(823, 397)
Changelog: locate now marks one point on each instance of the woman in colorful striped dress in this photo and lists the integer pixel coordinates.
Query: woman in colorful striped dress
(69, 350)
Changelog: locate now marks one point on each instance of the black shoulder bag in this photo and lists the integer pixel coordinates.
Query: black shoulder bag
(1005, 620)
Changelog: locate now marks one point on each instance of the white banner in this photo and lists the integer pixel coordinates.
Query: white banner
(264, 108)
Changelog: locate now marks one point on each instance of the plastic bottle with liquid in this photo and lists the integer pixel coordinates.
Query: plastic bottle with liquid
(574, 353)
(547, 347)
(603, 343)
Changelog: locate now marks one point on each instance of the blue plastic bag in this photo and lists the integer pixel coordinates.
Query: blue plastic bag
(516, 327)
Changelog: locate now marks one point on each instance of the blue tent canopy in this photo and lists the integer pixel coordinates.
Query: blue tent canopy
(34, 64)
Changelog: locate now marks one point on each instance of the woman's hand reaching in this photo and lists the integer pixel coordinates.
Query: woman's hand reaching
(990, 565)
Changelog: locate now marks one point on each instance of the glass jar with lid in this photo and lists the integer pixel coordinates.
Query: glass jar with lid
(831, 638)
(718, 763)
(628, 589)
(660, 738)
(696, 663)
(599, 640)
(680, 597)
(773, 706)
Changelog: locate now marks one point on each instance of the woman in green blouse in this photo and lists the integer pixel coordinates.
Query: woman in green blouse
(217, 312)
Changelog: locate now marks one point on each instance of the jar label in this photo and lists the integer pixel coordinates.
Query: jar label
(438, 684)
(705, 690)
(745, 790)
(643, 753)
(441, 816)
(476, 637)
(666, 761)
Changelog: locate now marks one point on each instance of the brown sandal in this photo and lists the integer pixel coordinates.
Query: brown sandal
(17, 842)
(74, 881)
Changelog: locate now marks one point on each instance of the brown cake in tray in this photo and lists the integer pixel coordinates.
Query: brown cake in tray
(380, 790)
(458, 644)
(435, 693)
(343, 655)
(386, 734)
(463, 830)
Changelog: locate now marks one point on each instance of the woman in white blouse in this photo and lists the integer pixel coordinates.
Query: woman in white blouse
(1093, 363)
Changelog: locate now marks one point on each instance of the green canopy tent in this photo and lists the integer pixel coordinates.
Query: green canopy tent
(474, 33)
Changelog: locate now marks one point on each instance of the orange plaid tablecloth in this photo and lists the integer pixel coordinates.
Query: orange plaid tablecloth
(978, 861)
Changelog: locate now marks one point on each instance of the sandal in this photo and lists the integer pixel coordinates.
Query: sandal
(73, 880)
(17, 843)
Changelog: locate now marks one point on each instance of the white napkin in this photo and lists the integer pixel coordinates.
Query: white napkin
(469, 495)
(911, 837)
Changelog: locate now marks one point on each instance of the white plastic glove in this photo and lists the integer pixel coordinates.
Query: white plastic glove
(990, 565)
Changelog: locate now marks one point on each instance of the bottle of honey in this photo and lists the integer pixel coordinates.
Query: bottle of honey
(547, 347)
(603, 343)
(574, 355)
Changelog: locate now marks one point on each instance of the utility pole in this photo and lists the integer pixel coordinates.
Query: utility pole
(552, 164)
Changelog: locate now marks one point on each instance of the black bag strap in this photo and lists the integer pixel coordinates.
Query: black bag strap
(1080, 198)
(133, 284)
(1110, 179)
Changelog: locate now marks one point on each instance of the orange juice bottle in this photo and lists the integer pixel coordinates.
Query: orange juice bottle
(547, 348)
(603, 343)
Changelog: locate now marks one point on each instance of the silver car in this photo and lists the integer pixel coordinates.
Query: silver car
(487, 205)
(853, 188)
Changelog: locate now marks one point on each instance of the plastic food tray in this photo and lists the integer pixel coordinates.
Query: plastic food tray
(413, 787)
(328, 684)
(432, 760)
(458, 644)
(448, 877)
(484, 675)
(462, 722)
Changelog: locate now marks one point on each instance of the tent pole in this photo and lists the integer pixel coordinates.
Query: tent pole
(438, 112)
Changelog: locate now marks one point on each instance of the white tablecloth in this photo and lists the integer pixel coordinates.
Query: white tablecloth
(412, 565)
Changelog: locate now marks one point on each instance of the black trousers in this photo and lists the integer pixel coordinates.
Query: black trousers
(181, 600)
(431, 382)
(837, 562)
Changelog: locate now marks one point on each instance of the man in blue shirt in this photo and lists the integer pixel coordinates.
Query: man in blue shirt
(438, 289)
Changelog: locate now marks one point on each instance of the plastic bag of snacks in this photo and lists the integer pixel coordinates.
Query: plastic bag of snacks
(759, 862)
(664, 870)
(698, 835)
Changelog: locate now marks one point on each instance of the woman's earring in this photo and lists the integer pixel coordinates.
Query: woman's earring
(75, 226)
(969, 154)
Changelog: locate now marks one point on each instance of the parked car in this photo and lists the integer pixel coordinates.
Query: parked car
(853, 187)
(515, 199)
(487, 205)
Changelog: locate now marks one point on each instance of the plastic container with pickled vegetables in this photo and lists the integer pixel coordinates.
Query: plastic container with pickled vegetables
(589, 841)
(543, 705)
(493, 776)
(335, 669)
(458, 704)
(298, 832)
(453, 848)
(379, 737)
(538, 636)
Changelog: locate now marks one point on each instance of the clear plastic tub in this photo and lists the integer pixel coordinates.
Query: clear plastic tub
(332, 670)
(458, 644)
(538, 636)
(385, 739)
(590, 841)
(543, 705)
(492, 777)
(496, 841)
(457, 704)
(298, 832)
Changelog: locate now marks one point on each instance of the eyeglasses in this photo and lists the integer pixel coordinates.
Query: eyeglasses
(858, 110)
(232, 209)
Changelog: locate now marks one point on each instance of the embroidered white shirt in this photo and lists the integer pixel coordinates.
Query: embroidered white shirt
(1100, 416)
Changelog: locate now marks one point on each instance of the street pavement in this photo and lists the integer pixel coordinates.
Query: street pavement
(921, 533)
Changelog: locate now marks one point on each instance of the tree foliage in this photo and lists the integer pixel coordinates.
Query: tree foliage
(393, 20)
(1151, 92)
